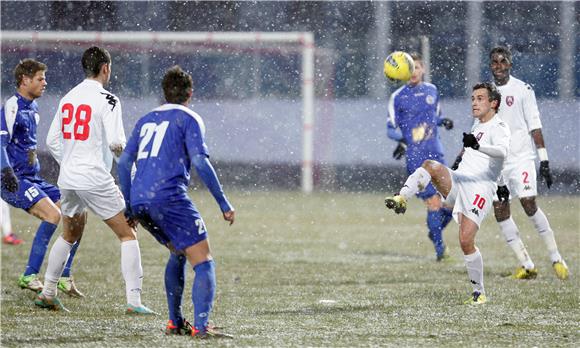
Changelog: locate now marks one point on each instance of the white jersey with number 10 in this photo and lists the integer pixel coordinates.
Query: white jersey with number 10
(87, 123)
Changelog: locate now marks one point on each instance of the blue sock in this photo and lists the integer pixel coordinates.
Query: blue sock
(447, 216)
(39, 246)
(434, 223)
(202, 293)
(73, 251)
(174, 283)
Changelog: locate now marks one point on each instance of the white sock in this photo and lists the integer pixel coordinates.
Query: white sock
(416, 182)
(56, 260)
(474, 264)
(132, 271)
(512, 237)
(543, 227)
(6, 223)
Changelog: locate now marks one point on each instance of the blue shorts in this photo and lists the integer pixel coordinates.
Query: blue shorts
(175, 222)
(30, 191)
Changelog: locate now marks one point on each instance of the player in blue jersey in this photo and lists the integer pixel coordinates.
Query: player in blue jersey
(414, 115)
(22, 187)
(163, 146)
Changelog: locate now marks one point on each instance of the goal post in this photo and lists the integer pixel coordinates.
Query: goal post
(303, 42)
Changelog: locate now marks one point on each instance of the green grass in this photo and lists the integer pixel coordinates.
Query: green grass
(332, 269)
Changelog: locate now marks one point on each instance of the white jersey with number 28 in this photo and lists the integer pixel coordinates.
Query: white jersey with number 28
(87, 123)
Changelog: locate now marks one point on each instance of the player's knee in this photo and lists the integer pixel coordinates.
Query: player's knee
(501, 211)
(466, 242)
(529, 205)
(53, 216)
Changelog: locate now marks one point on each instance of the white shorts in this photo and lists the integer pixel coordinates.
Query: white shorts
(521, 179)
(470, 197)
(105, 202)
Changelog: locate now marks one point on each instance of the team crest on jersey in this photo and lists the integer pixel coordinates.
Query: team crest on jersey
(479, 136)
(509, 100)
(430, 100)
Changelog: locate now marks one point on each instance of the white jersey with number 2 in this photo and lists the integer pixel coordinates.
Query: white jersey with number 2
(87, 123)
(519, 110)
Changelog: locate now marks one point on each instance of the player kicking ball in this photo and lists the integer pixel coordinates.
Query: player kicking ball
(163, 146)
(470, 188)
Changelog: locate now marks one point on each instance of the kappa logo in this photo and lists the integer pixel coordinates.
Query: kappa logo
(509, 100)
(527, 188)
(475, 211)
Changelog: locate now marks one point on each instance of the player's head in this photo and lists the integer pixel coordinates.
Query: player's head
(500, 63)
(485, 100)
(30, 78)
(177, 86)
(417, 76)
(97, 64)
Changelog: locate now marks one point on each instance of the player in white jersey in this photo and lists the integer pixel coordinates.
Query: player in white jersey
(86, 132)
(520, 111)
(469, 189)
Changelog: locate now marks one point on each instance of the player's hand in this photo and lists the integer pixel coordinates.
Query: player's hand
(469, 140)
(130, 218)
(503, 193)
(545, 172)
(447, 123)
(9, 180)
(230, 216)
(456, 163)
(400, 151)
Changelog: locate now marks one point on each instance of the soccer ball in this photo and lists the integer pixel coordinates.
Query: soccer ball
(399, 66)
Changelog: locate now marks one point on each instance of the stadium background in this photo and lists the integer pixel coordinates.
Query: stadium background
(251, 100)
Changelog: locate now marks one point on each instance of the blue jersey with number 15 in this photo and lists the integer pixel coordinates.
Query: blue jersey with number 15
(164, 141)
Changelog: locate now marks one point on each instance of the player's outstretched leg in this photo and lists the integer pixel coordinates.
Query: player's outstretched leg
(29, 279)
(66, 282)
(57, 258)
(543, 227)
(174, 284)
(416, 182)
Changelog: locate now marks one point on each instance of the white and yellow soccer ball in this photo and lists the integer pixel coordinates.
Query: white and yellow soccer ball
(399, 66)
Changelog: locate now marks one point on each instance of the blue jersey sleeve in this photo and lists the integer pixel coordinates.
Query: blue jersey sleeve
(195, 138)
(209, 177)
(5, 138)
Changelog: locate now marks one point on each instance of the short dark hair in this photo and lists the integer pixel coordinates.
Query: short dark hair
(93, 59)
(492, 91)
(177, 85)
(416, 56)
(27, 67)
(503, 50)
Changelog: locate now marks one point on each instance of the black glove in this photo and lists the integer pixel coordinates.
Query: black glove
(503, 193)
(545, 172)
(469, 140)
(447, 123)
(400, 151)
(9, 180)
(456, 163)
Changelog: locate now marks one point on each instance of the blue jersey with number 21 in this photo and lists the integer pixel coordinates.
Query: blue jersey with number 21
(164, 141)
